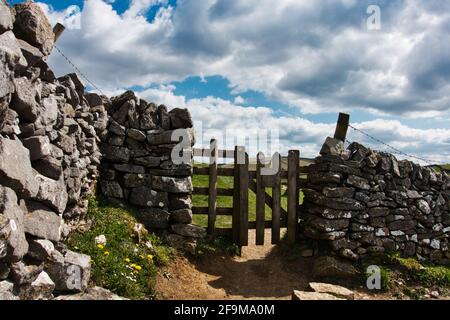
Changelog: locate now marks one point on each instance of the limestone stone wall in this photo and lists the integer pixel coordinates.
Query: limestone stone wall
(49, 160)
(137, 165)
(360, 201)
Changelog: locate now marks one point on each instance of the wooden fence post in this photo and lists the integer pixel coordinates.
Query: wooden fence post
(276, 204)
(260, 202)
(212, 199)
(293, 194)
(243, 196)
(58, 29)
(342, 126)
(236, 194)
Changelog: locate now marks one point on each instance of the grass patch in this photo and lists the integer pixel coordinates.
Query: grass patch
(124, 265)
(217, 245)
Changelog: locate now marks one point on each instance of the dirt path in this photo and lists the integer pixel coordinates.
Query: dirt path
(262, 272)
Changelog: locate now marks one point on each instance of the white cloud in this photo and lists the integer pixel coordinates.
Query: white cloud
(315, 56)
(216, 116)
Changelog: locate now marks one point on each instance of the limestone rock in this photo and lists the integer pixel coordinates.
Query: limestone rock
(23, 274)
(180, 119)
(70, 272)
(173, 185)
(6, 291)
(16, 244)
(26, 98)
(146, 197)
(6, 19)
(332, 146)
(154, 218)
(111, 189)
(95, 293)
(332, 289)
(52, 193)
(181, 216)
(38, 146)
(40, 289)
(303, 295)
(40, 249)
(15, 168)
(10, 50)
(42, 223)
(189, 230)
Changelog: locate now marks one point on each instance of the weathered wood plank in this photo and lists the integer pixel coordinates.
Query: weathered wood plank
(219, 211)
(260, 202)
(212, 198)
(267, 224)
(243, 197)
(276, 205)
(293, 195)
(220, 191)
(342, 126)
(236, 204)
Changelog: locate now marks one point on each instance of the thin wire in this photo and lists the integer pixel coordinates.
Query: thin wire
(78, 70)
(431, 162)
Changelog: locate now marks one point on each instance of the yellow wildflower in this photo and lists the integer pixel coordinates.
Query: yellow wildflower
(106, 253)
(100, 246)
(127, 260)
(138, 268)
(141, 256)
(149, 257)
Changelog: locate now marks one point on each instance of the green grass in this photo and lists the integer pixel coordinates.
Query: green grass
(123, 265)
(227, 202)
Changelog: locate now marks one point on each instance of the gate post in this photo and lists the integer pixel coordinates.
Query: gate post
(212, 199)
(243, 198)
(342, 126)
(293, 194)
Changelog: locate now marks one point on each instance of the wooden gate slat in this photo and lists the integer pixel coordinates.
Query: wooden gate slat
(243, 198)
(220, 191)
(260, 203)
(236, 204)
(276, 205)
(293, 194)
(212, 199)
(268, 198)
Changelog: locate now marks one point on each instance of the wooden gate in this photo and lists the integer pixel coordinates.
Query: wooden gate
(257, 181)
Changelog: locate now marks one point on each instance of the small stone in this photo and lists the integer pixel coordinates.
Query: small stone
(189, 230)
(358, 182)
(154, 218)
(111, 189)
(40, 289)
(335, 290)
(302, 295)
(181, 216)
(332, 147)
(172, 185)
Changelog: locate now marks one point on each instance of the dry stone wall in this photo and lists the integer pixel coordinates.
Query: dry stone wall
(362, 201)
(137, 165)
(53, 136)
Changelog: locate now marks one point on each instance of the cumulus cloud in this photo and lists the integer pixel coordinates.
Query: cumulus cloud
(313, 55)
(216, 117)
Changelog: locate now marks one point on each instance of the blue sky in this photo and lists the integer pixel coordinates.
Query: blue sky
(289, 65)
